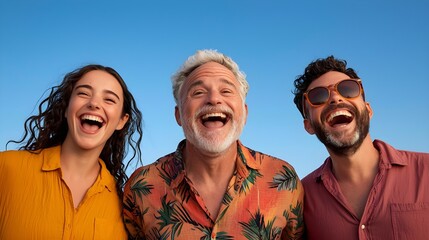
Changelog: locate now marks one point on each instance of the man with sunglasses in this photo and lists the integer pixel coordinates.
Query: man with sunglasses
(365, 189)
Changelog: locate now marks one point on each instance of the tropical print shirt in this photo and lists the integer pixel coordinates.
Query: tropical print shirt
(264, 200)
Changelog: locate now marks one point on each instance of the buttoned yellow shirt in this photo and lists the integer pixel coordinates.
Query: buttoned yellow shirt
(35, 202)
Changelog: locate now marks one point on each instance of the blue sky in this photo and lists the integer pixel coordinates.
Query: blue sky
(387, 42)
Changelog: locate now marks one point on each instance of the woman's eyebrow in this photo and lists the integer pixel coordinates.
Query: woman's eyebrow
(113, 93)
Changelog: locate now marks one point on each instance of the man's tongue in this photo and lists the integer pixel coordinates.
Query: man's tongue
(90, 127)
(338, 124)
(213, 124)
(340, 120)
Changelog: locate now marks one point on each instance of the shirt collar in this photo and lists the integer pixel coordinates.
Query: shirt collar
(51, 158)
(245, 160)
(387, 154)
(51, 162)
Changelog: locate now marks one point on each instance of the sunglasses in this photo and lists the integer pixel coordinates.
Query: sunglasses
(348, 88)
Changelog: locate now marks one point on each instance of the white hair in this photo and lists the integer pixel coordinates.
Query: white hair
(201, 57)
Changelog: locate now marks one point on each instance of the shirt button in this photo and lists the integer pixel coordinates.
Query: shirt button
(362, 226)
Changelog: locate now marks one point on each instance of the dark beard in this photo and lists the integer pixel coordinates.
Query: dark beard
(345, 148)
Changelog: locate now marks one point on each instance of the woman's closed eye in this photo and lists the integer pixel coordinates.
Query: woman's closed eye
(82, 93)
(110, 100)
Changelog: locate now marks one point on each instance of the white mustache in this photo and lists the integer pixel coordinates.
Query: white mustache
(210, 109)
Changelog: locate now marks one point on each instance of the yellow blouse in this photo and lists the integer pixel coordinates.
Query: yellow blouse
(35, 202)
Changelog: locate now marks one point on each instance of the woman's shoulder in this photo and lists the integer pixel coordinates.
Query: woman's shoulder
(23, 153)
(15, 153)
(17, 157)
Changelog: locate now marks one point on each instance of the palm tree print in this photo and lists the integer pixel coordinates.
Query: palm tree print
(141, 187)
(219, 235)
(285, 179)
(159, 202)
(256, 229)
(171, 218)
(296, 221)
(250, 180)
(168, 174)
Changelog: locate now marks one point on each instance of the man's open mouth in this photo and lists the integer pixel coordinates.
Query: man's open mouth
(342, 117)
(217, 119)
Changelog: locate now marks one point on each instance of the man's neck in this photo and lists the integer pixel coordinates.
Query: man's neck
(210, 174)
(201, 165)
(357, 166)
(78, 161)
(355, 174)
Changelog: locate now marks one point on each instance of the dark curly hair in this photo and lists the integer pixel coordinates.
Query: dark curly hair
(313, 71)
(49, 128)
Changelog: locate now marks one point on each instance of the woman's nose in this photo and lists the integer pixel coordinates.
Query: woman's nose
(93, 103)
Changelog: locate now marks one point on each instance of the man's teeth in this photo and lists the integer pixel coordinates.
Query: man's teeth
(92, 118)
(339, 113)
(220, 115)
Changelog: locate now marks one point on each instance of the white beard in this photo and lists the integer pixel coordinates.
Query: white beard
(211, 142)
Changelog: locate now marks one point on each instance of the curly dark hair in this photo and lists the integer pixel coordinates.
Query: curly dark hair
(313, 71)
(49, 127)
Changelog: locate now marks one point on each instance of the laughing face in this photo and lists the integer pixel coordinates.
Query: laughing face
(341, 124)
(95, 110)
(211, 110)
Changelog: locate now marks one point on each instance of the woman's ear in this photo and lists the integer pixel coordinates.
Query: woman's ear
(123, 121)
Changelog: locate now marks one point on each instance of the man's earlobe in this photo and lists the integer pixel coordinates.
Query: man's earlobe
(308, 127)
(177, 115)
(368, 107)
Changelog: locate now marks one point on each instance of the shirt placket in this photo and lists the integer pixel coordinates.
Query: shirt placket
(233, 189)
(69, 212)
(373, 199)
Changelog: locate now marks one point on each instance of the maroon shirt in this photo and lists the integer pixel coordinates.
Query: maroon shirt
(397, 206)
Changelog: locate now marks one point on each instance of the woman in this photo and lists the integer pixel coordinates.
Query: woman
(66, 180)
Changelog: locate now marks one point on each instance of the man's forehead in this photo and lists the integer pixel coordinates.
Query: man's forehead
(329, 78)
(211, 69)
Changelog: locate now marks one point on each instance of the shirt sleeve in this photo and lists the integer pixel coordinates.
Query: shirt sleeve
(295, 214)
(131, 211)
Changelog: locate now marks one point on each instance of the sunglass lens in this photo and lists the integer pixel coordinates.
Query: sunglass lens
(318, 95)
(348, 89)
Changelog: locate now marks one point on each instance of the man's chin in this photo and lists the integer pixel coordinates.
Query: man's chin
(344, 146)
(214, 146)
